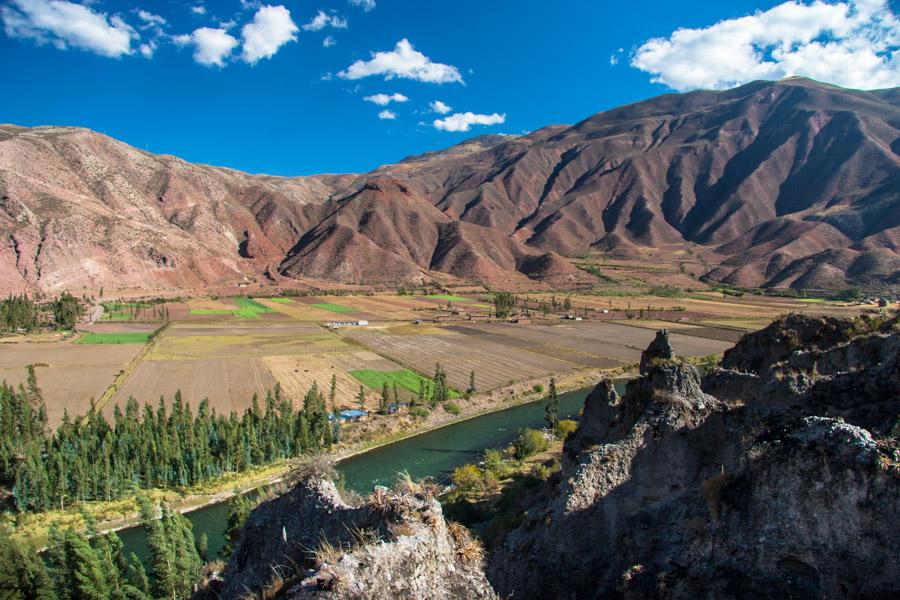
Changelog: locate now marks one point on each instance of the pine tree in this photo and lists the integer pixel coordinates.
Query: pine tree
(471, 389)
(385, 399)
(551, 412)
(23, 575)
(84, 573)
(361, 397)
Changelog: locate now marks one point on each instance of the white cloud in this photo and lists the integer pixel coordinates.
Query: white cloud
(403, 61)
(66, 24)
(323, 20)
(387, 114)
(439, 107)
(385, 99)
(855, 44)
(198, 9)
(151, 19)
(366, 5)
(271, 28)
(464, 121)
(329, 41)
(147, 49)
(212, 47)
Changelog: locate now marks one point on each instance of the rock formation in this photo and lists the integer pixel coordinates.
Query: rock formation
(310, 543)
(774, 477)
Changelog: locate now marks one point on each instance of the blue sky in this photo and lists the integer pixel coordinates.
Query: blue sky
(256, 86)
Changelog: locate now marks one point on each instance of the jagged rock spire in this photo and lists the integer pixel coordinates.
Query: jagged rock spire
(660, 348)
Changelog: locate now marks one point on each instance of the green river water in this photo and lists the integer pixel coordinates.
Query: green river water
(433, 454)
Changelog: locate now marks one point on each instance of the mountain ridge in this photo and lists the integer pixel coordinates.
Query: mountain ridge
(789, 184)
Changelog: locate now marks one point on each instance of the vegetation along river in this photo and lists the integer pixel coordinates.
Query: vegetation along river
(432, 454)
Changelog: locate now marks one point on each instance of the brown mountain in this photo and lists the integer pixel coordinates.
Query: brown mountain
(790, 183)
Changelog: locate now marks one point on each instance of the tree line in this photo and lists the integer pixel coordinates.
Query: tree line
(87, 565)
(19, 312)
(166, 446)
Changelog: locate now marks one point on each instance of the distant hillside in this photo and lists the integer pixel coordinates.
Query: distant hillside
(791, 183)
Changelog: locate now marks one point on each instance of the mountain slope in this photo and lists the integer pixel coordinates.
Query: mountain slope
(789, 183)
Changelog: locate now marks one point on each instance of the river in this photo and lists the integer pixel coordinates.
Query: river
(432, 454)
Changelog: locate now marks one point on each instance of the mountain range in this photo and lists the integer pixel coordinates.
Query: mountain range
(792, 183)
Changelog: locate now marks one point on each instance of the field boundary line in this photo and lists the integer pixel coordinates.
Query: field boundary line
(123, 376)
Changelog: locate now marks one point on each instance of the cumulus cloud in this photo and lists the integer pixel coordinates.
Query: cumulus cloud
(385, 99)
(212, 47)
(854, 44)
(198, 9)
(366, 5)
(271, 28)
(68, 25)
(439, 107)
(323, 20)
(464, 121)
(329, 41)
(387, 115)
(405, 62)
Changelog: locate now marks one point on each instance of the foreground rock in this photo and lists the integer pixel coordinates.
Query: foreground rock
(309, 543)
(777, 477)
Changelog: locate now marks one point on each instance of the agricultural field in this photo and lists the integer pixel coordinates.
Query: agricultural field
(70, 375)
(494, 364)
(228, 362)
(139, 337)
(582, 342)
(404, 379)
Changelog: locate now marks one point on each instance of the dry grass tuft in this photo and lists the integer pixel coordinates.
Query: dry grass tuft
(712, 491)
(468, 548)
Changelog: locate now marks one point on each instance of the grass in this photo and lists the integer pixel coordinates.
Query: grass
(449, 298)
(404, 378)
(211, 311)
(811, 300)
(249, 308)
(140, 337)
(116, 315)
(280, 300)
(335, 308)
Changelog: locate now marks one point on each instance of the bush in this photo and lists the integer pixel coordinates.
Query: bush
(538, 388)
(565, 428)
(529, 442)
(419, 411)
(452, 408)
(468, 479)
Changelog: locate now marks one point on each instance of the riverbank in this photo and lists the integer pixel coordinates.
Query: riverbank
(377, 432)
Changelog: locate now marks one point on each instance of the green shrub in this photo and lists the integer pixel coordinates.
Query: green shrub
(468, 479)
(529, 442)
(419, 411)
(452, 408)
(538, 388)
(565, 428)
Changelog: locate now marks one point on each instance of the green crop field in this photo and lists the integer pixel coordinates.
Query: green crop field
(280, 300)
(141, 337)
(250, 308)
(211, 311)
(335, 308)
(404, 378)
(449, 298)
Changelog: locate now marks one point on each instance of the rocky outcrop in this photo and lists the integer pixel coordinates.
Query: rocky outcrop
(774, 477)
(660, 349)
(310, 543)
